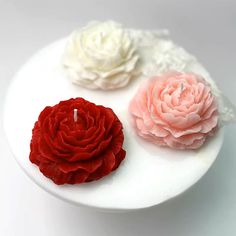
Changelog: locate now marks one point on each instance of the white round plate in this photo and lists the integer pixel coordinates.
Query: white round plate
(148, 176)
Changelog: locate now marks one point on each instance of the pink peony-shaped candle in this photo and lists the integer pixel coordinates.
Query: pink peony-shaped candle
(176, 110)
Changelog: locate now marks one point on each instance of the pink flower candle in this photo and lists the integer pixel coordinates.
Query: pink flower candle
(176, 110)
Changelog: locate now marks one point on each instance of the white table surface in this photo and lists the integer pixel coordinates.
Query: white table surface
(205, 28)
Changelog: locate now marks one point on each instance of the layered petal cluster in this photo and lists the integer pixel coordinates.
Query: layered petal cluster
(176, 110)
(100, 56)
(79, 149)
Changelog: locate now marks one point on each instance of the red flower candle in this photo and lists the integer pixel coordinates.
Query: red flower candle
(77, 141)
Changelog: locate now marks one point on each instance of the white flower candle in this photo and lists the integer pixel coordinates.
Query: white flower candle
(100, 56)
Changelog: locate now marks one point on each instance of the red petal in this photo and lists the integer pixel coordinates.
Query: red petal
(51, 171)
(119, 158)
(89, 166)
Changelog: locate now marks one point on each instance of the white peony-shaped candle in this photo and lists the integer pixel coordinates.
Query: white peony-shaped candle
(101, 56)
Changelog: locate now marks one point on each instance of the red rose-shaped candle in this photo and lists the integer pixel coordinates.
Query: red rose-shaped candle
(77, 141)
(176, 110)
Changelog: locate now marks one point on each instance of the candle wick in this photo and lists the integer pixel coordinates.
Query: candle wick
(75, 115)
(182, 87)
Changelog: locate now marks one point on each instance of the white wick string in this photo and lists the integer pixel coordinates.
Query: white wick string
(75, 115)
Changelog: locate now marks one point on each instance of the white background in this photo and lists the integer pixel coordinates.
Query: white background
(205, 28)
